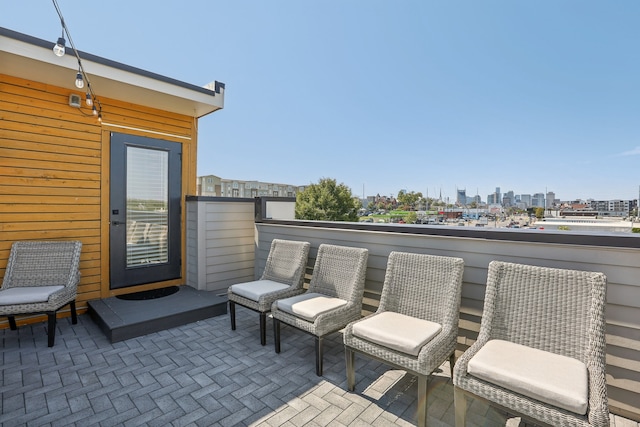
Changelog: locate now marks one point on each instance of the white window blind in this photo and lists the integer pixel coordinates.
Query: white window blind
(147, 206)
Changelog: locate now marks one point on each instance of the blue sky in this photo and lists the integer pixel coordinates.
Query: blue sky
(420, 95)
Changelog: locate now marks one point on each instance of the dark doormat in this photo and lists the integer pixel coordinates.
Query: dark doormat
(151, 294)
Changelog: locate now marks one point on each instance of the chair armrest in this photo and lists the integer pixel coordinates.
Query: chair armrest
(337, 319)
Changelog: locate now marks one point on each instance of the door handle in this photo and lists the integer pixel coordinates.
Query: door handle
(116, 222)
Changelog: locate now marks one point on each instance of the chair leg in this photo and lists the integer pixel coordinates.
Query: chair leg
(452, 362)
(74, 314)
(52, 328)
(276, 334)
(422, 400)
(319, 343)
(263, 328)
(232, 314)
(12, 323)
(460, 405)
(350, 361)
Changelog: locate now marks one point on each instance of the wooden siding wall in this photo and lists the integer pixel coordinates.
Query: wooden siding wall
(220, 244)
(54, 170)
(621, 265)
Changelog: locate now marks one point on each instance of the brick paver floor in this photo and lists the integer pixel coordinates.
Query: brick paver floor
(204, 374)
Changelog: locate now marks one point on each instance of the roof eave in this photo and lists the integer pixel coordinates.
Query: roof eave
(31, 58)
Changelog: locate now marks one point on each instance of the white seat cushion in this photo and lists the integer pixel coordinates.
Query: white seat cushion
(548, 377)
(254, 290)
(397, 331)
(27, 294)
(309, 305)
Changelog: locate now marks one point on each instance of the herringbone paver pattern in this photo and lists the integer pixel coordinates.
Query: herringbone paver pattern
(204, 374)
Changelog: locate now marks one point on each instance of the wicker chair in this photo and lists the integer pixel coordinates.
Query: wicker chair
(540, 351)
(416, 325)
(283, 276)
(41, 277)
(333, 300)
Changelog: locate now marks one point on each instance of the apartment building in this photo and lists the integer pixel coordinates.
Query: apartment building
(621, 208)
(212, 185)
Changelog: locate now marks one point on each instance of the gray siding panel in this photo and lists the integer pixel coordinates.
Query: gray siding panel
(220, 243)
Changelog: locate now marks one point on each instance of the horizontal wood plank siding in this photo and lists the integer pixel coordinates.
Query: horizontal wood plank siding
(620, 264)
(50, 158)
(53, 161)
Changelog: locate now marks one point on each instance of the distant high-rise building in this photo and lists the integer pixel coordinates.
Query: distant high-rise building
(461, 197)
(537, 201)
(551, 199)
(495, 198)
(508, 199)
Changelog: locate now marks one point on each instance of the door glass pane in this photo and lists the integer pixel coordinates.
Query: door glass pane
(147, 206)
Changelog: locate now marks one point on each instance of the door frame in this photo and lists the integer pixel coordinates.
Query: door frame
(121, 272)
(189, 180)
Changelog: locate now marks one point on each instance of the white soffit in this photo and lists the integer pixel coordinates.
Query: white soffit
(31, 59)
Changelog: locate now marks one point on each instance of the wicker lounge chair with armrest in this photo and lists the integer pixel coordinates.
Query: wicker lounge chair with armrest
(333, 300)
(41, 277)
(283, 276)
(416, 325)
(540, 351)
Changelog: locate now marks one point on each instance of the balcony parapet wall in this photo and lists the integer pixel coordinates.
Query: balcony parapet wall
(616, 256)
(233, 243)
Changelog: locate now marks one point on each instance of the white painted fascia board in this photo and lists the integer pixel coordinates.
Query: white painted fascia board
(108, 78)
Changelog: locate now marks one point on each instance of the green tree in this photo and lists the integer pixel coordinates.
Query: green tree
(410, 199)
(372, 207)
(539, 213)
(411, 218)
(327, 201)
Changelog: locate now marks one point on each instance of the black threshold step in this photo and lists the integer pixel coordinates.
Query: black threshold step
(121, 319)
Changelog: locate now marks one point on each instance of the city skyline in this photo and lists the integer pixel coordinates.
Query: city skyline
(452, 198)
(419, 95)
(435, 196)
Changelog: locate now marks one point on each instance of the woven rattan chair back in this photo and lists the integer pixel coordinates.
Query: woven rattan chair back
(413, 279)
(42, 263)
(549, 309)
(339, 272)
(286, 262)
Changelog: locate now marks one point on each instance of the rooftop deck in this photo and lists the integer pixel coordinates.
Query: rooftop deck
(204, 374)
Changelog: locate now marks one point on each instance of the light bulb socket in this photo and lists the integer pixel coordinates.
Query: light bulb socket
(94, 111)
(79, 80)
(89, 100)
(59, 48)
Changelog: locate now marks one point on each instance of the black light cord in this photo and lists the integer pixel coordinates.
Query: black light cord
(65, 30)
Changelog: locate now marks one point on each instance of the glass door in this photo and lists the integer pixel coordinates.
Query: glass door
(145, 200)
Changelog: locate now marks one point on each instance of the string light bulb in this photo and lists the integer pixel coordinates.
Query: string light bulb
(79, 80)
(59, 50)
(59, 47)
